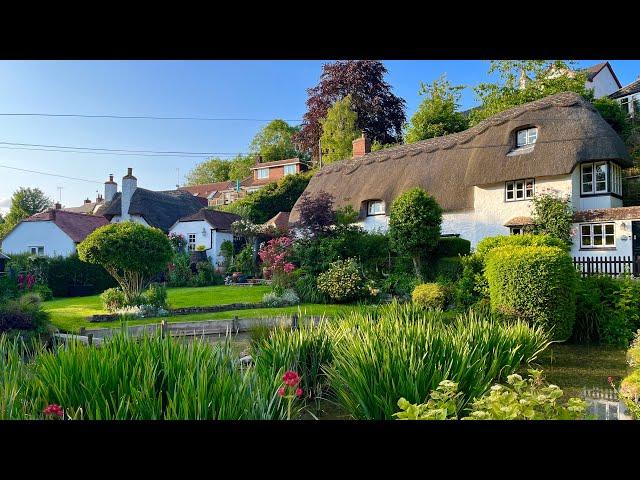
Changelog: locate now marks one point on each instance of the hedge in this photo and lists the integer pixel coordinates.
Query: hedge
(534, 283)
(452, 247)
(449, 268)
(527, 240)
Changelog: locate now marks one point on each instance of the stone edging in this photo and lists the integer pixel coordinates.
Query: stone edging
(109, 317)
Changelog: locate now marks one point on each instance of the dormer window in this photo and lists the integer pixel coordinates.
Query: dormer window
(375, 207)
(526, 137)
(263, 173)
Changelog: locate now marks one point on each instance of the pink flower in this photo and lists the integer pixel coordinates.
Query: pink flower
(291, 378)
(289, 267)
(281, 391)
(53, 410)
(610, 380)
(299, 392)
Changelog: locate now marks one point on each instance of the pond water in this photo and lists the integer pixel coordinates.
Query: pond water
(579, 370)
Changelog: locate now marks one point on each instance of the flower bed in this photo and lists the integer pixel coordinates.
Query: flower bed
(110, 317)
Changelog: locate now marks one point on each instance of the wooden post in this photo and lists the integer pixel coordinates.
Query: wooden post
(234, 324)
(163, 328)
(294, 321)
(82, 331)
(90, 339)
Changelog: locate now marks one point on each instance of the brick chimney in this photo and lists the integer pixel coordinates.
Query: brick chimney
(110, 188)
(86, 200)
(129, 185)
(361, 146)
(57, 206)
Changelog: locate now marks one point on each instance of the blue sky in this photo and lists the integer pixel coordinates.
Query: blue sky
(231, 89)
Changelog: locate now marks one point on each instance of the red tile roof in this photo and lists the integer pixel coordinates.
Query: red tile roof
(277, 163)
(76, 225)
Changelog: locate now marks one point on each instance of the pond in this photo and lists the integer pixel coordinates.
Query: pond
(579, 370)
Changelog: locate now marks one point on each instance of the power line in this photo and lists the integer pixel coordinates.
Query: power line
(50, 174)
(146, 117)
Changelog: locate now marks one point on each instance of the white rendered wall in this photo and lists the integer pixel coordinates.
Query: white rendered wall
(132, 218)
(623, 247)
(603, 84)
(33, 234)
(211, 240)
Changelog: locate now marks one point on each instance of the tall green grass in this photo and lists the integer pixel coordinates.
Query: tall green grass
(402, 351)
(15, 395)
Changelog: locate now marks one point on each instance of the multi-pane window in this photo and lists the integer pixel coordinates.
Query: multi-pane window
(597, 235)
(375, 207)
(263, 173)
(624, 103)
(192, 242)
(527, 136)
(601, 177)
(616, 179)
(516, 230)
(519, 190)
(39, 250)
(289, 169)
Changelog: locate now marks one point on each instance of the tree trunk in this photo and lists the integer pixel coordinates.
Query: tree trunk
(417, 265)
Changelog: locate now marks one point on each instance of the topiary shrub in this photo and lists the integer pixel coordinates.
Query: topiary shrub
(452, 247)
(429, 295)
(534, 283)
(342, 282)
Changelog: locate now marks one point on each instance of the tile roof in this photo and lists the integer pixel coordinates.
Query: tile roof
(633, 87)
(277, 163)
(280, 220)
(217, 219)
(76, 225)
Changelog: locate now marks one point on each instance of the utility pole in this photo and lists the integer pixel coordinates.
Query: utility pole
(60, 194)
(178, 182)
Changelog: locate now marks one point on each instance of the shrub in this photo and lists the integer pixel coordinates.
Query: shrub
(429, 295)
(536, 284)
(243, 261)
(133, 312)
(404, 351)
(113, 299)
(521, 399)
(306, 287)
(400, 284)
(206, 275)
(633, 355)
(552, 215)
(472, 286)
(24, 313)
(527, 240)
(342, 282)
(155, 295)
(452, 247)
(449, 268)
(43, 291)
(179, 270)
(288, 297)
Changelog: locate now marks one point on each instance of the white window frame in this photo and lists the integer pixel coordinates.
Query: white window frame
(591, 235)
(39, 250)
(520, 186)
(375, 207)
(292, 170)
(608, 171)
(530, 136)
(516, 230)
(191, 245)
(262, 173)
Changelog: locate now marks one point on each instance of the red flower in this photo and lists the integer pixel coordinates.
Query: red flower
(299, 392)
(281, 391)
(54, 410)
(610, 380)
(291, 378)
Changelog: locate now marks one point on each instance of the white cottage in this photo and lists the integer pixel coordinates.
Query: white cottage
(485, 177)
(206, 228)
(54, 232)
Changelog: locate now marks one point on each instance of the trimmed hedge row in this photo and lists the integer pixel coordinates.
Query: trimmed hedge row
(535, 283)
(452, 247)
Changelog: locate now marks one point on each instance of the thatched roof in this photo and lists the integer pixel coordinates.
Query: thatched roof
(159, 209)
(633, 87)
(219, 220)
(518, 222)
(570, 131)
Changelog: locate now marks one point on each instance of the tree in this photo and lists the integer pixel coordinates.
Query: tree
(552, 215)
(275, 141)
(615, 116)
(522, 81)
(414, 225)
(316, 213)
(130, 252)
(339, 131)
(219, 170)
(24, 203)
(380, 112)
(276, 197)
(437, 114)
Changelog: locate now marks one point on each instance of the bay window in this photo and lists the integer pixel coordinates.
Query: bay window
(519, 190)
(600, 177)
(597, 235)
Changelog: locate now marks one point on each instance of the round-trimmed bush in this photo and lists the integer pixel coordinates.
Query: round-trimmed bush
(113, 299)
(534, 283)
(429, 295)
(342, 282)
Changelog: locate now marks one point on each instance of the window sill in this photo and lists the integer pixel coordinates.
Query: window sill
(597, 249)
(521, 150)
(519, 200)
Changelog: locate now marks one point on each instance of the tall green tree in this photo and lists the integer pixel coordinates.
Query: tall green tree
(339, 130)
(522, 81)
(438, 113)
(24, 203)
(219, 169)
(414, 225)
(275, 141)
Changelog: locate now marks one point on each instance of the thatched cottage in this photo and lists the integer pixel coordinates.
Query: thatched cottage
(485, 177)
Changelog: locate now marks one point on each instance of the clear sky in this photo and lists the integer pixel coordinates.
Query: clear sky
(229, 89)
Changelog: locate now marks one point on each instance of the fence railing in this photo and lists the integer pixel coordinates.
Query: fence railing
(612, 266)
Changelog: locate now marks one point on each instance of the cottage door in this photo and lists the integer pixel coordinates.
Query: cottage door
(635, 235)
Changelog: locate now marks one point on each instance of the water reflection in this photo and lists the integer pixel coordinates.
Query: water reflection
(603, 404)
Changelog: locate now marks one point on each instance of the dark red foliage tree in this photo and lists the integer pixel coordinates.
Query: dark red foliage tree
(380, 112)
(316, 213)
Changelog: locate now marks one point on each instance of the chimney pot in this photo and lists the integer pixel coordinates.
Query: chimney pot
(111, 177)
(129, 171)
(361, 146)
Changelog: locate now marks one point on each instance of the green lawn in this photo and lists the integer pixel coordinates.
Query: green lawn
(70, 314)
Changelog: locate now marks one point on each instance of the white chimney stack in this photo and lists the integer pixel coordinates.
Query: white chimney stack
(129, 185)
(110, 189)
